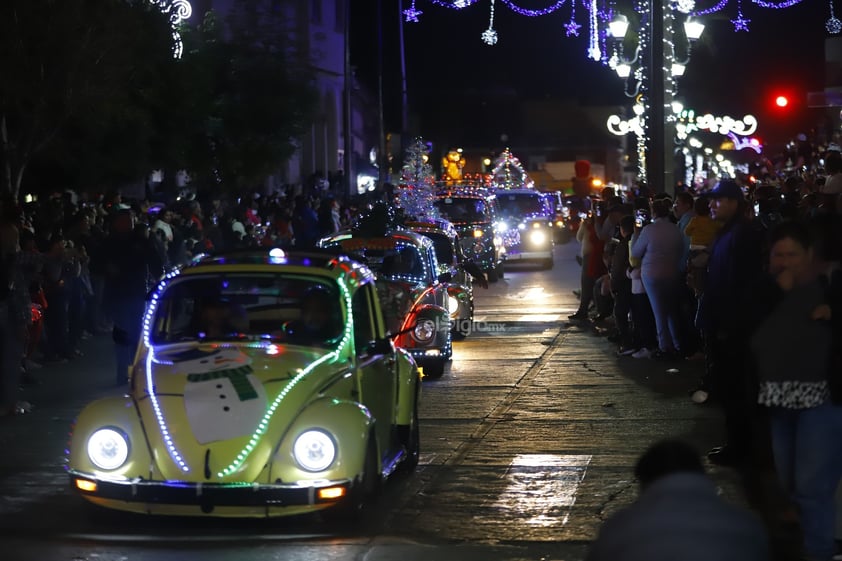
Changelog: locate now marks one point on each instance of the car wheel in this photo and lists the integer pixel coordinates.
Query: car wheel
(410, 437)
(433, 368)
(491, 275)
(365, 488)
(501, 270)
(548, 263)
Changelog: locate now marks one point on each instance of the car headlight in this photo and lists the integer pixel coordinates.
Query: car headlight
(424, 330)
(537, 237)
(314, 450)
(108, 448)
(452, 305)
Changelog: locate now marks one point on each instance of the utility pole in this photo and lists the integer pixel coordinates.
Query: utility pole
(347, 167)
(655, 156)
(382, 159)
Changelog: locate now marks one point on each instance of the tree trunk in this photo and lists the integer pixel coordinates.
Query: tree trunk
(7, 157)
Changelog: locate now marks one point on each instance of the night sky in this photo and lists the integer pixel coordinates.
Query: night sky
(448, 65)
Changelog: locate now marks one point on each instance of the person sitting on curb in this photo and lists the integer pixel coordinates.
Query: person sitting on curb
(679, 515)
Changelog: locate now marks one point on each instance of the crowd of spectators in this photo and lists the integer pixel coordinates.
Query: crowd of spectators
(75, 265)
(746, 277)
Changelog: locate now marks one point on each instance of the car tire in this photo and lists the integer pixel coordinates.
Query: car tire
(491, 275)
(410, 439)
(501, 270)
(349, 512)
(433, 369)
(547, 263)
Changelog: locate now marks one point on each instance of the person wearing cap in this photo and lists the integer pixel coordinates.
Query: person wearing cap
(734, 265)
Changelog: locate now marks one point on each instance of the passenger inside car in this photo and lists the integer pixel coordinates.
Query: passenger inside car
(318, 321)
(219, 317)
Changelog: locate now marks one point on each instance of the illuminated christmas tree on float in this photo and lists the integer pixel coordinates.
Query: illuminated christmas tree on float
(415, 192)
(508, 172)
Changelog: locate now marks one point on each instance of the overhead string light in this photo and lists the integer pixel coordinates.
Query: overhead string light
(177, 11)
(594, 52)
(532, 13)
(833, 25)
(456, 4)
(489, 36)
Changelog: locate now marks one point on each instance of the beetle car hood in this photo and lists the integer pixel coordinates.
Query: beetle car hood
(213, 400)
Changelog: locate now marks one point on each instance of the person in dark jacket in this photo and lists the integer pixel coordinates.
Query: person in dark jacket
(734, 266)
(621, 287)
(679, 515)
(131, 264)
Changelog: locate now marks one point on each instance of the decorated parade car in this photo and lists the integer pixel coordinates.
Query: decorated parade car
(526, 225)
(411, 290)
(264, 385)
(460, 273)
(473, 211)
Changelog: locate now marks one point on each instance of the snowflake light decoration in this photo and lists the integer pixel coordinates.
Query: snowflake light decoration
(489, 37)
(833, 25)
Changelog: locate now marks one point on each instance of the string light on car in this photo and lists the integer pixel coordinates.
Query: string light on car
(332, 356)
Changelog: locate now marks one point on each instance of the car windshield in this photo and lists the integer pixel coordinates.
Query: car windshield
(517, 205)
(248, 306)
(443, 247)
(402, 261)
(461, 210)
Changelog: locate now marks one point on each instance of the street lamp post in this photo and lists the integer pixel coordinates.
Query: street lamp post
(655, 88)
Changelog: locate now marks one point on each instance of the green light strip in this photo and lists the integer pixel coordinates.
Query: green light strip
(264, 422)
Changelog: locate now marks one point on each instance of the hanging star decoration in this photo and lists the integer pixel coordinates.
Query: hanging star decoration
(571, 26)
(833, 25)
(741, 23)
(411, 14)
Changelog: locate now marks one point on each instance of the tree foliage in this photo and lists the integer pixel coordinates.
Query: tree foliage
(91, 96)
(78, 77)
(256, 97)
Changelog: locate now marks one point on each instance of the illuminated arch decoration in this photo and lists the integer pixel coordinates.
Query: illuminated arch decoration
(177, 11)
(637, 125)
(689, 122)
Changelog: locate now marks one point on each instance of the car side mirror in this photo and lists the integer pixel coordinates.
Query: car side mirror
(446, 277)
(381, 346)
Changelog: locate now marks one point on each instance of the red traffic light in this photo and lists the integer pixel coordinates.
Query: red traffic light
(781, 101)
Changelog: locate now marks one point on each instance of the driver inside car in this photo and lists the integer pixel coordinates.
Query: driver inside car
(218, 317)
(317, 321)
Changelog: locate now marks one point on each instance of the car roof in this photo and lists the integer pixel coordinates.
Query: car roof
(519, 192)
(402, 234)
(440, 226)
(466, 191)
(327, 262)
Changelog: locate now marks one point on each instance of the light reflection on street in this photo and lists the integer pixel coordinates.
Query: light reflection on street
(542, 488)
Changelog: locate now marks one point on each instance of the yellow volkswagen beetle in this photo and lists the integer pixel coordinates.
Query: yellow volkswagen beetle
(265, 384)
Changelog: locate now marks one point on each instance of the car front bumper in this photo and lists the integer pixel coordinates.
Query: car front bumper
(176, 497)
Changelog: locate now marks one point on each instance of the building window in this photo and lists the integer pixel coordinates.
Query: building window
(316, 11)
(340, 15)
